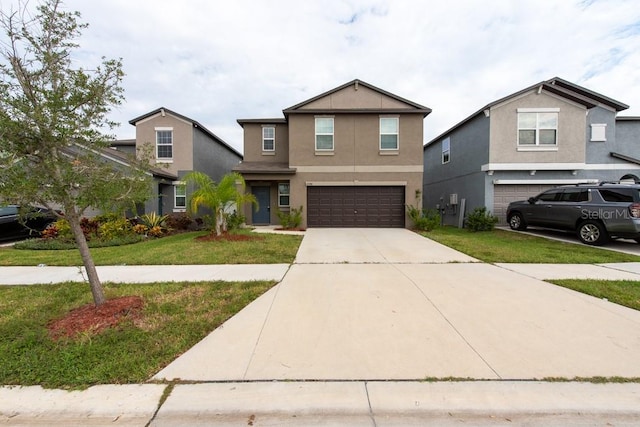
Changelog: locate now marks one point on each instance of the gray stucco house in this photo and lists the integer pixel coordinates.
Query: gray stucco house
(548, 134)
(179, 145)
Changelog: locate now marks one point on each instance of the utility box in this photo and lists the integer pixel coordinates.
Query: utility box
(453, 199)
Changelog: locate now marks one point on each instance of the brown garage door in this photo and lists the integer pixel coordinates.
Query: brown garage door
(355, 206)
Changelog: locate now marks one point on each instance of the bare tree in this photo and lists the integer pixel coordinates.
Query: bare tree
(52, 118)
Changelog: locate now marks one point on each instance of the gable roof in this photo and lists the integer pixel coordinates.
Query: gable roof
(271, 121)
(194, 123)
(414, 107)
(117, 157)
(555, 85)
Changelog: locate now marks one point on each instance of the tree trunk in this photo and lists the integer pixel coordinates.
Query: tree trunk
(87, 259)
(219, 217)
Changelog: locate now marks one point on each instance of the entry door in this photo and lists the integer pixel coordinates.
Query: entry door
(263, 196)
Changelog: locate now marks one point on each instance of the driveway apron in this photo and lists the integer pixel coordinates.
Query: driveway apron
(388, 304)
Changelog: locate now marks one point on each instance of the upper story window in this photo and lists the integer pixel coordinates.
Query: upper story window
(268, 138)
(446, 150)
(538, 127)
(164, 143)
(389, 133)
(324, 133)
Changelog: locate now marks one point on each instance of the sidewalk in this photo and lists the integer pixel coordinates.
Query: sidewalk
(247, 272)
(144, 273)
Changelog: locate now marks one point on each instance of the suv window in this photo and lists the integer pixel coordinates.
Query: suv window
(8, 210)
(617, 194)
(575, 195)
(549, 196)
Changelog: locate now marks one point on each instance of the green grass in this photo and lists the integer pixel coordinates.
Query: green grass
(509, 247)
(179, 249)
(175, 317)
(621, 292)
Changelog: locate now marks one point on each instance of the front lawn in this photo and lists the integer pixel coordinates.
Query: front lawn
(621, 292)
(174, 317)
(179, 249)
(509, 247)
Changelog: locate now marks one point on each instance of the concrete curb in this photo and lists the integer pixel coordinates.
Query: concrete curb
(343, 402)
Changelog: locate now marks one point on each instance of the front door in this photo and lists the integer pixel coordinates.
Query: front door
(263, 214)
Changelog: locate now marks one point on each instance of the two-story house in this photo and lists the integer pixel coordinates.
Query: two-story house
(549, 134)
(350, 157)
(178, 145)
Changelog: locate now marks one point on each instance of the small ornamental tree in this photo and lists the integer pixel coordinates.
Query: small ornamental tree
(221, 198)
(52, 117)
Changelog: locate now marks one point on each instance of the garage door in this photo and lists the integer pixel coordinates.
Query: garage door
(355, 206)
(505, 194)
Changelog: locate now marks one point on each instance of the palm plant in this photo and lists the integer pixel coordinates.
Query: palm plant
(220, 198)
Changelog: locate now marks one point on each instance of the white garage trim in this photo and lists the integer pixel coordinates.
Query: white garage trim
(356, 183)
(359, 168)
(556, 166)
(544, 181)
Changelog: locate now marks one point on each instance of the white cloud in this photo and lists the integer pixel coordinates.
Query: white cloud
(218, 61)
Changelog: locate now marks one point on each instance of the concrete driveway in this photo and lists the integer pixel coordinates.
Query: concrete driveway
(371, 304)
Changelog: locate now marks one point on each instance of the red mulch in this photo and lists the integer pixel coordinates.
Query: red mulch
(229, 237)
(94, 319)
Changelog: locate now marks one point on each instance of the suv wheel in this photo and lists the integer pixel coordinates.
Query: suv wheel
(516, 221)
(592, 233)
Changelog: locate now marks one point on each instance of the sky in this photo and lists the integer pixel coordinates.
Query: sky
(218, 61)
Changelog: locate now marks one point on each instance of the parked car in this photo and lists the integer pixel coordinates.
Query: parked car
(595, 212)
(16, 223)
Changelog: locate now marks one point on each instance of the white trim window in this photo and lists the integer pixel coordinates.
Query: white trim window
(389, 133)
(324, 134)
(538, 127)
(446, 150)
(179, 195)
(164, 144)
(268, 138)
(284, 192)
(598, 132)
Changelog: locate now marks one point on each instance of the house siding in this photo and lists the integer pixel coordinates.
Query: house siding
(469, 146)
(182, 141)
(210, 157)
(504, 131)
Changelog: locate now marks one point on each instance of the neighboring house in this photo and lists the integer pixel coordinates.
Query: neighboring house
(549, 134)
(350, 157)
(178, 145)
(118, 160)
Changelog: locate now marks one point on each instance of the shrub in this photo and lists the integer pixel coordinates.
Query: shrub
(153, 220)
(59, 230)
(114, 229)
(235, 220)
(155, 231)
(480, 220)
(423, 219)
(57, 244)
(106, 217)
(291, 219)
(140, 229)
(178, 221)
(89, 227)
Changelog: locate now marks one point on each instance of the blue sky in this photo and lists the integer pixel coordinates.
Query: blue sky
(216, 61)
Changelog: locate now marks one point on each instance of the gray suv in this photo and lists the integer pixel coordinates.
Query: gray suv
(595, 212)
